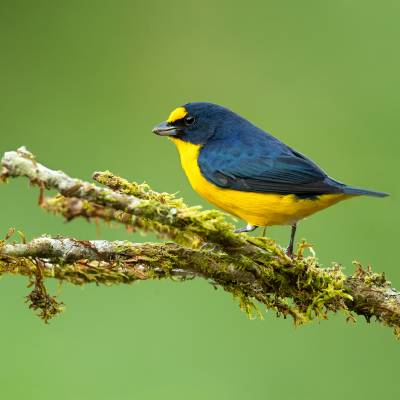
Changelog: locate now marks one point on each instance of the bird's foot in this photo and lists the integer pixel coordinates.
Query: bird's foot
(247, 228)
(289, 252)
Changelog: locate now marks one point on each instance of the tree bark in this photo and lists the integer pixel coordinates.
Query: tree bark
(255, 270)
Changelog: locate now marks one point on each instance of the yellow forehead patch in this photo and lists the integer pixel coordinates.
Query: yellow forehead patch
(177, 114)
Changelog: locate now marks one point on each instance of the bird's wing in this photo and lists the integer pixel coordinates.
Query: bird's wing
(263, 164)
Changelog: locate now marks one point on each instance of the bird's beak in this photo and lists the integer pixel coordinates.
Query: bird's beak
(164, 129)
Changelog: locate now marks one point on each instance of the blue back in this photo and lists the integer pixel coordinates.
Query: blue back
(238, 155)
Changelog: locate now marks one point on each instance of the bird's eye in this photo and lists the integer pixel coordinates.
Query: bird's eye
(189, 120)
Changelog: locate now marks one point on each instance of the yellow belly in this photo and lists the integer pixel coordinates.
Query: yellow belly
(260, 209)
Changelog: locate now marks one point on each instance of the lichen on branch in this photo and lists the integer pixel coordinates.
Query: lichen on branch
(254, 270)
(156, 212)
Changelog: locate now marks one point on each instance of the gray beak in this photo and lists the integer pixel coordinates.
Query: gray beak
(164, 129)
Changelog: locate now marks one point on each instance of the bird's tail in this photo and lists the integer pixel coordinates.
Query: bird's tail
(363, 192)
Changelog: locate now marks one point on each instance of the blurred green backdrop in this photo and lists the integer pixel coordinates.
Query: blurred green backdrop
(82, 84)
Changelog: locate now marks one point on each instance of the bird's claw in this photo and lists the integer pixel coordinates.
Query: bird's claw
(289, 252)
(247, 228)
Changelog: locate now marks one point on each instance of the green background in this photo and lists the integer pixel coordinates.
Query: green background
(81, 85)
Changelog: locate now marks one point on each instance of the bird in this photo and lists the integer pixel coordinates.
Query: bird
(247, 172)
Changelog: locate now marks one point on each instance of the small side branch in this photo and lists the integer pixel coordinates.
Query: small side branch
(139, 260)
(148, 209)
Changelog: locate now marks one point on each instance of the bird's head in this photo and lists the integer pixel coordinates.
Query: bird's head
(197, 123)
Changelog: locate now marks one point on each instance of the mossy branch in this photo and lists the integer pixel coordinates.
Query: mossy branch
(158, 212)
(254, 270)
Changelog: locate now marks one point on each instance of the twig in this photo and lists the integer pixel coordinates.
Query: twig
(187, 225)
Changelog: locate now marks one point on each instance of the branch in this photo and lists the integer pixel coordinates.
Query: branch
(252, 269)
(107, 262)
(146, 209)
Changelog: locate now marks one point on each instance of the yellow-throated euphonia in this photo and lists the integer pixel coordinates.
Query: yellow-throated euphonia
(248, 172)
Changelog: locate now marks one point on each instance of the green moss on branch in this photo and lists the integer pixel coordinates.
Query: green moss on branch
(298, 288)
(195, 226)
(254, 270)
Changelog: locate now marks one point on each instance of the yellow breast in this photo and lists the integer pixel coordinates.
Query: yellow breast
(260, 209)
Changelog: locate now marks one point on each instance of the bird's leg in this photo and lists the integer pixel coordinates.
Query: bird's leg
(289, 250)
(264, 231)
(247, 228)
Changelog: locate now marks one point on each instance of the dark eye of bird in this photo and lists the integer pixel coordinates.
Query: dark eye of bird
(189, 120)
